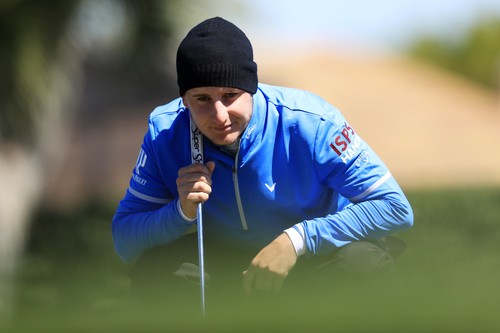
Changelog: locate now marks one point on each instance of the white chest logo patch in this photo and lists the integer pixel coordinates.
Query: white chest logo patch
(270, 187)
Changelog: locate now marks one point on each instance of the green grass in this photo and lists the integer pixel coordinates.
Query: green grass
(447, 280)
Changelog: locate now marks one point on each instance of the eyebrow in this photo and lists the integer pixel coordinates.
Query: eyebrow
(229, 91)
(200, 95)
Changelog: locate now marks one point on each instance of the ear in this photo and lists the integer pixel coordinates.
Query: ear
(184, 101)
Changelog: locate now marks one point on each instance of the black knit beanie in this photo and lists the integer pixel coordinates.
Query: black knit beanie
(216, 53)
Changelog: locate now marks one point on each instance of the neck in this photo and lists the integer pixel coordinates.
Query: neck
(232, 148)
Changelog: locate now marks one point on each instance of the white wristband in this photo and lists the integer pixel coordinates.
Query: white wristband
(179, 208)
(297, 236)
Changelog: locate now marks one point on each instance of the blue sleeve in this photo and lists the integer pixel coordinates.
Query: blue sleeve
(376, 204)
(148, 215)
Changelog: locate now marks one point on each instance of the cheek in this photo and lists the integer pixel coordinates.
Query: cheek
(246, 115)
(199, 118)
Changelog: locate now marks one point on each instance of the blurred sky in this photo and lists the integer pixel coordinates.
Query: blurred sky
(383, 25)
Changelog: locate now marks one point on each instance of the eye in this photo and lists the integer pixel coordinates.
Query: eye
(203, 99)
(230, 95)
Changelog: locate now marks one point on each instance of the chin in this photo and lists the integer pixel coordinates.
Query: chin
(223, 141)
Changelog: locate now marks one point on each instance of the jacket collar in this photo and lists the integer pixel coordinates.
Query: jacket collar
(254, 133)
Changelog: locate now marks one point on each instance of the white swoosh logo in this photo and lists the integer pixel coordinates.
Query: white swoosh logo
(270, 188)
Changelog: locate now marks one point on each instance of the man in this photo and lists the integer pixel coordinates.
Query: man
(287, 181)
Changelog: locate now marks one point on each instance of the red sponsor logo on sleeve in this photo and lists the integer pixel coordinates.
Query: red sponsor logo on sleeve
(346, 143)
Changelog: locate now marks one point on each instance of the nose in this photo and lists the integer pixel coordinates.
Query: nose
(220, 113)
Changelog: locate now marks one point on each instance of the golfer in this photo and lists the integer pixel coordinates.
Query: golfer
(288, 186)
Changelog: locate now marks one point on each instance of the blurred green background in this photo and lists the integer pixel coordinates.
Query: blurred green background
(78, 79)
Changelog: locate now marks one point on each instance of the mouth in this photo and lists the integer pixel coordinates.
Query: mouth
(226, 128)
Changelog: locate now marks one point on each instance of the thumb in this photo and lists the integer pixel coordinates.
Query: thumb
(248, 278)
(210, 166)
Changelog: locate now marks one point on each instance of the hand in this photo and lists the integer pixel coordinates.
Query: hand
(271, 266)
(194, 185)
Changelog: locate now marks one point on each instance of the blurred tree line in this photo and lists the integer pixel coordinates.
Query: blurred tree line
(475, 55)
(59, 58)
(115, 43)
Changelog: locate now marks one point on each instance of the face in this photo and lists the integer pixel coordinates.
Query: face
(220, 113)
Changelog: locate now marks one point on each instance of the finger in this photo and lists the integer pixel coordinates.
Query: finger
(267, 285)
(194, 181)
(260, 280)
(211, 167)
(190, 184)
(248, 277)
(195, 168)
(197, 197)
(277, 284)
(195, 189)
(191, 168)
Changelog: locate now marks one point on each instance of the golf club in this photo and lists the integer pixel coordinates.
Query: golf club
(197, 157)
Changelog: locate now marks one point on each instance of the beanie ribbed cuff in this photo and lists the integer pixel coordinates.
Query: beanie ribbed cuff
(219, 75)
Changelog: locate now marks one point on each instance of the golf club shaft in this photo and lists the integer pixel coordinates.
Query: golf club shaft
(201, 256)
(197, 157)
